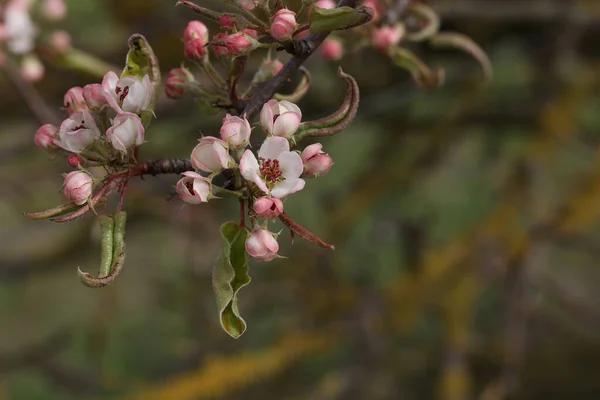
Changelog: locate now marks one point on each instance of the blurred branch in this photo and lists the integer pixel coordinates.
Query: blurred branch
(38, 106)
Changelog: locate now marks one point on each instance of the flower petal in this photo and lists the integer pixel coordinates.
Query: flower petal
(249, 165)
(272, 147)
(291, 164)
(286, 124)
(284, 188)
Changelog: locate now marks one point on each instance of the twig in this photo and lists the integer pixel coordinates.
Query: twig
(38, 106)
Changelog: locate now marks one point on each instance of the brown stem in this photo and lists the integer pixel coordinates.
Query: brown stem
(304, 233)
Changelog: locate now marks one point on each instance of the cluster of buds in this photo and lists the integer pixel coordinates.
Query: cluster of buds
(268, 177)
(18, 33)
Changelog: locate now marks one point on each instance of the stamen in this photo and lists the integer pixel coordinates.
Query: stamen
(270, 170)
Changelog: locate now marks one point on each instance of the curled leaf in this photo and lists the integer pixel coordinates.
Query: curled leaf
(300, 90)
(337, 121)
(304, 233)
(54, 212)
(428, 20)
(112, 251)
(230, 274)
(97, 199)
(465, 43)
(420, 72)
(334, 19)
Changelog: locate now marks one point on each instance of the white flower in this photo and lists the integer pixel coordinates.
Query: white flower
(211, 155)
(277, 171)
(19, 28)
(127, 94)
(280, 118)
(127, 131)
(77, 132)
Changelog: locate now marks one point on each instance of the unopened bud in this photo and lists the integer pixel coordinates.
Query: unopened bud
(387, 36)
(227, 21)
(75, 161)
(268, 207)
(54, 10)
(247, 4)
(211, 155)
(316, 162)
(236, 131)
(195, 30)
(195, 49)
(44, 137)
(61, 41)
(332, 49)
(219, 45)
(127, 131)
(78, 186)
(32, 69)
(176, 81)
(240, 43)
(262, 245)
(94, 95)
(74, 101)
(284, 24)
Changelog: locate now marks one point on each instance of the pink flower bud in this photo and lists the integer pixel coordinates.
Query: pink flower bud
(54, 10)
(284, 24)
(316, 162)
(226, 21)
(251, 32)
(75, 161)
(176, 81)
(45, 136)
(211, 155)
(332, 49)
(93, 94)
(274, 65)
(268, 207)
(387, 36)
(280, 118)
(195, 30)
(219, 45)
(326, 4)
(247, 4)
(127, 131)
(61, 41)
(74, 101)
(262, 245)
(194, 188)
(374, 4)
(195, 49)
(78, 186)
(77, 132)
(32, 69)
(235, 131)
(240, 43)
(127, 94)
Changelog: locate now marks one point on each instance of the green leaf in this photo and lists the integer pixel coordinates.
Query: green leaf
(142, 61)
(230, 274)
(327, 20)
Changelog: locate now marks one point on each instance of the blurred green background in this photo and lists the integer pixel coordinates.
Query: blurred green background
(465, 221)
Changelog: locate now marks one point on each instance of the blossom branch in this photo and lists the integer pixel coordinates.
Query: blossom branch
(304, 233)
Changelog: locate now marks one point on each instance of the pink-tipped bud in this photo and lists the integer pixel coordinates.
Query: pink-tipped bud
(75, 161)
(387, 36)
(32, 69)
(268, 207)
(44, 137)
(251, 32)
(262, 245)
(332, 49)
(374, 4)
(94, 95)
(78, 186)
(195, 30)
(227, 21)
(326, 4)
(176, 81)
(126, 131)
(240, 43)
(284, 24)
(247, 4)
(280, 118)
(274, 66)
(194, 188)
(54, 10)
(61, 41)
(219, 45)
(316, 162)
(236, 131)
(211, 155)
(74, 101)
(195, 49)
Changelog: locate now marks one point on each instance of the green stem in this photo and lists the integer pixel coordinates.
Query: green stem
(79, 60)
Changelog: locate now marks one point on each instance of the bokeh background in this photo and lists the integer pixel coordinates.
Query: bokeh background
(465, 221)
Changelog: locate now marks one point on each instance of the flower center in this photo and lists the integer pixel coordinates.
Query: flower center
(122, 92)
(270, 170)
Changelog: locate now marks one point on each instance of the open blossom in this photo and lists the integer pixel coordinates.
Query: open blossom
(280, 118)
(211, 155)
(235, 131)
(262, 245)
(78, 186)
(126, 131)
(19, 28)
(45, 136)
(387, 36)
(277, 170)
(268, 207)
(195, 30)
(193, 188)
(284, 24)
(316, 162)
(127, 94)
(74, 101)
(77, 132)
